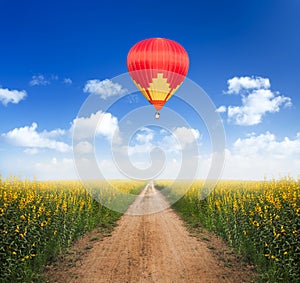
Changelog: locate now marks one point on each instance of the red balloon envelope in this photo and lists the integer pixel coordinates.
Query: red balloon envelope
(158, 67)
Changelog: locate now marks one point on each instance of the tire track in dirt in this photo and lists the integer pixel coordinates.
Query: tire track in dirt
(150, 248)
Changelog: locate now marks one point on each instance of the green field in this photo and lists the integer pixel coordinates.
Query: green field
(260, 220)
(39, 220)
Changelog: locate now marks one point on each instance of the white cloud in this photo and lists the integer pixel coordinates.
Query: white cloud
(178, 140)
(145, 140)
(263, 155)
(221, 109)
(84, 147)
(38, 80)
(54, 133)
(11, 96)
(140, 150)
(141, 145)
(29, 137)
(54, 169)
(255, 106)
(67, 81)
(267, 145)
(171, 144)
(236, 84)
(31, 151)
(104, 89)
(100, 123)
(186, 135)
(43, 167)
(146, 135)
(257, 100)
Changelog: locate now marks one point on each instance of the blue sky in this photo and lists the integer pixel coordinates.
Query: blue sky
(244, 54)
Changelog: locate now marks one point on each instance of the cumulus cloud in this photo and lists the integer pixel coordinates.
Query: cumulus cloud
(170, 142)
(31, 151)
(67, 81)
(143, 142)
(183, 135)
(237, 84)
(53, 134)
(30, 138)
(146, 135)
(84, 147)
(262, 155)
(37, 80)
(104, 89)
(221, 109)
(255, 106)
(267, 144)
(186, 135)
(257, 100)
(11, 96)
(53, 169)
(100, 123)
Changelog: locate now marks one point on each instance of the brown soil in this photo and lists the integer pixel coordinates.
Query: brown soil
(150, 248)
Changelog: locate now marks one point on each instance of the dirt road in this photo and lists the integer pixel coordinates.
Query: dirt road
(150, 248)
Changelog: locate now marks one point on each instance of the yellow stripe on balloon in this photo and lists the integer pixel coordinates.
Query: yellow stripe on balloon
(158, 90)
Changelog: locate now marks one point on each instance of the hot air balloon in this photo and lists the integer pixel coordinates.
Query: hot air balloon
(158, 67)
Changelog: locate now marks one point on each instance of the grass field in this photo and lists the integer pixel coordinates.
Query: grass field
(39, 220)
(261, 220)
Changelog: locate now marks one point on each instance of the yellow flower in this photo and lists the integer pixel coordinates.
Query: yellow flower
(44, 223)
(274, 257)
(23, 235)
